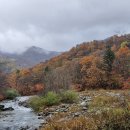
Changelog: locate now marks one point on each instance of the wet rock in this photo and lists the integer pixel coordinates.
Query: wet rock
(7, 128)
(24, 104)
(40, 126)
(46, 113)
(24, 128)
(40, 117)
(2, 107)
(8, 109)
(40, 114)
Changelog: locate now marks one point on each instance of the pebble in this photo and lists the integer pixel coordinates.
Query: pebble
(83, 104)
(77, 114)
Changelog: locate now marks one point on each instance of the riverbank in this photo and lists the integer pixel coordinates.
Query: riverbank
(104, 109)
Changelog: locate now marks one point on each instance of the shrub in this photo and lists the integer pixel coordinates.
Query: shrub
(11, 93)
(36, 103)
(51, 99)
(69, 97)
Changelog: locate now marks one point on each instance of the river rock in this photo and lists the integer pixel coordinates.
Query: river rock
(40, 117)
(40, 114)
(83, 104)
(24, 104)
(8, 109)
(24, 128)
(77, 114)
(84, 108)
(46, 114)
(2, 107)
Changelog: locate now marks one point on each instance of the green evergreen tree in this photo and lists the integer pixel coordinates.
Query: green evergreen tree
(108, 59)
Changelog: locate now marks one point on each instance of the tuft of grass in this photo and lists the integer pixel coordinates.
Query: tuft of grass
(69, 97)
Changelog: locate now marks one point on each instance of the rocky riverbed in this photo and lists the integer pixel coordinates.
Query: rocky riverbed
(17, 116)
(72, 110)
(83, 113)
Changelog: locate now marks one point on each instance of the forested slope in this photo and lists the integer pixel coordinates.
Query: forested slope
(95, 64)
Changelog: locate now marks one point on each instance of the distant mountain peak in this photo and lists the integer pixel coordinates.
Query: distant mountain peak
(36, 49)
(30, 57)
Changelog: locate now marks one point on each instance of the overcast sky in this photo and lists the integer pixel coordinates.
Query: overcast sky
(60, 24)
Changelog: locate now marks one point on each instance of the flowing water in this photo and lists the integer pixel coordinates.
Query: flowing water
(20, 118)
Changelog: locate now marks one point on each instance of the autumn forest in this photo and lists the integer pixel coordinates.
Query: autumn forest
(90, 65)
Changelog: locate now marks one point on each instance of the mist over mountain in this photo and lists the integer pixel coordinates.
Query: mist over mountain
(30, 57)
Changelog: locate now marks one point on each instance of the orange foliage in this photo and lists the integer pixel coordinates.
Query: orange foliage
(38, 68)
(38, 87)
(86, 60)
(122, 62)
(123, 51)
(127, 84)
(25, 72)
(12, 80)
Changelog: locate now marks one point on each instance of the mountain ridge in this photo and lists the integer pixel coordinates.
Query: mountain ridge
(30, 57)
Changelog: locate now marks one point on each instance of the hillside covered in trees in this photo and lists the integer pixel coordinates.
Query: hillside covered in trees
(90, 65)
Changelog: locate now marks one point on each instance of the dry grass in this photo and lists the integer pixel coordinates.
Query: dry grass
(81, 123)
(109, 110)
(117, 119)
